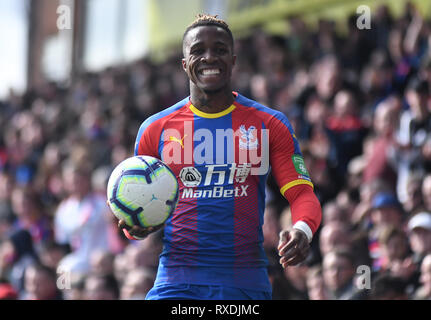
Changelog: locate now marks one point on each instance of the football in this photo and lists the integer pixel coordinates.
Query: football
(142, 191)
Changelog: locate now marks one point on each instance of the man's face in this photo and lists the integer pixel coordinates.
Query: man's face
(337, 271)
(39, 285)
(420, 240)
(208, 58)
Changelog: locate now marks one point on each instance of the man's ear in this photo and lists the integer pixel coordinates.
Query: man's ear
(184, 64)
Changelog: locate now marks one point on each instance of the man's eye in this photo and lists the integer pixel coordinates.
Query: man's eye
(197, 51)
(221, 51)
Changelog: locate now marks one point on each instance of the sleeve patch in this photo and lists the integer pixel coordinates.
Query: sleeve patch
(299, 164)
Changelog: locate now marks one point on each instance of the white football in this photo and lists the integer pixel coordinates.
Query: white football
(142, 191)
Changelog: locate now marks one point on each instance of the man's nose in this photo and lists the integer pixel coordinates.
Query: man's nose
(208, 56)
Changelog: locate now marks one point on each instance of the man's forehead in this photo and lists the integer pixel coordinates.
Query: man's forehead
(198, 33)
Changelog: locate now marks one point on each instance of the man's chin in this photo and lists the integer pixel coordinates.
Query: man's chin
(211, 91)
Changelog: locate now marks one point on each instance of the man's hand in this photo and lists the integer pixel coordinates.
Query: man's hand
(135, 232)
(293, 247)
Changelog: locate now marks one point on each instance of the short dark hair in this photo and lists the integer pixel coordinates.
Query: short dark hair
(110, 283)
(385, 285)
(209, 20)
(418, 85)
(48, 271)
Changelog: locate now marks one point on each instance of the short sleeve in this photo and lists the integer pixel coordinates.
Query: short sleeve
(147, 139)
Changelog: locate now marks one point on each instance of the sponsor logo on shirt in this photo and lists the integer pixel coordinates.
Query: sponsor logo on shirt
(299, 165)
(220, 176)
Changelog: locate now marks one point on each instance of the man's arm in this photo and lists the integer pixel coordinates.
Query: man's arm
(291, 174)
(306, 217)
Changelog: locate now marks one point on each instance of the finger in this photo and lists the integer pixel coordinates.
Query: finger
(291, 253)
(122, 225)
(284, 238)
(291, 261)
(288, 248)
(296, 254)
(140, 232)
(159, 227)
(299, 257)
(300, 240)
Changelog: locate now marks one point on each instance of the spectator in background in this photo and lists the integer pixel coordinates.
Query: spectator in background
(424, 292)
(101, 287)
(102, 262)
(396, 257)
(419, 227)
(387, 287)
(378, 165)
(7, 219)
(121, 267)
(386, 211)
(426, 192)
(142, 255)
(48, 180)
(40, 283)
(7, 292)
(413, 202)
(28, 209)
(415, 123)
(339, 273)
(290, 284)
(360, 217)
(316, 284)
(16, 254)
(332, 212)
(425, 158)
(51, 253)
(82, 220)
(334, 235)
(419, 233)
(137, 283)
(75, 288)
(395, 246)
(345, 131)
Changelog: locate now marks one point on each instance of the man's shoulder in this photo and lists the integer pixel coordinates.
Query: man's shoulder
(166, 112)
(250, 103)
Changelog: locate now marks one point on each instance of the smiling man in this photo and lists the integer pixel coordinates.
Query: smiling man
(221, 146)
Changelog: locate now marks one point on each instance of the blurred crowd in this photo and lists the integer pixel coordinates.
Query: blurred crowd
(360, 105)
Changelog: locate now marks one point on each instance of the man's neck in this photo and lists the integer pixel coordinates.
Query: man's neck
(211, 102)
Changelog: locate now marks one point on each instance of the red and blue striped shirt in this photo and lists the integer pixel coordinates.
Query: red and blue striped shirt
(222, 161)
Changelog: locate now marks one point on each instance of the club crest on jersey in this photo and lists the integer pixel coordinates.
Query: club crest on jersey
(248, 140)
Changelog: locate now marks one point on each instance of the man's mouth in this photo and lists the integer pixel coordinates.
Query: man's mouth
(209, 71)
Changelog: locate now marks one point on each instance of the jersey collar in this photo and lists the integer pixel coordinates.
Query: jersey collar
(202, 114)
